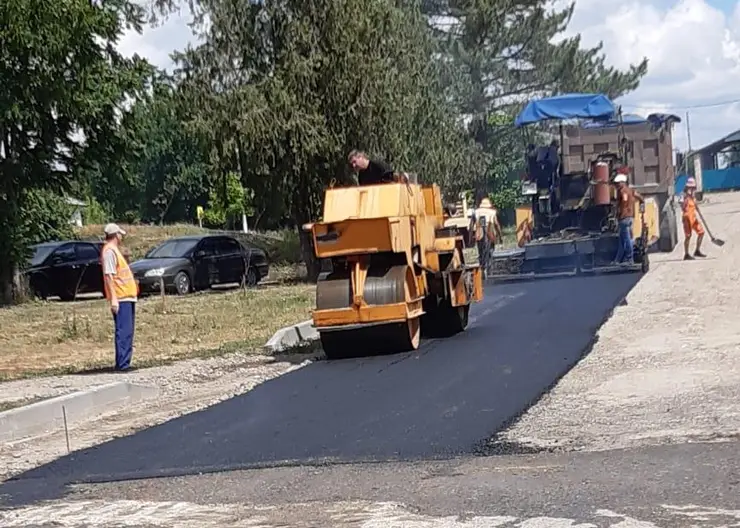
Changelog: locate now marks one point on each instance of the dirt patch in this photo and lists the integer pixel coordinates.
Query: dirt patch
(666, 367)
(45, 338)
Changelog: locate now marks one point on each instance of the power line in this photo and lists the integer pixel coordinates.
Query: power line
(688, 107)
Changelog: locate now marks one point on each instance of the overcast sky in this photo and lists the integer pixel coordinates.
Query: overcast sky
(693, 47)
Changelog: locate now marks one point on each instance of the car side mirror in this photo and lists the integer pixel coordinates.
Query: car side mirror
(199, 254)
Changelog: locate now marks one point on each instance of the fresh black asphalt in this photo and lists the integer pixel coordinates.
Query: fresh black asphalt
(438, 402)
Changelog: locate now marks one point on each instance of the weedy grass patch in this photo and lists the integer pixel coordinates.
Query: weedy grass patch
(44, 338)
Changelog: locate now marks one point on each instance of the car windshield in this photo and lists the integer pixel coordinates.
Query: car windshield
(40, 253)
(172, 249)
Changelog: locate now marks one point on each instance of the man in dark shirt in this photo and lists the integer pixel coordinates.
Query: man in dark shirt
(370, 171)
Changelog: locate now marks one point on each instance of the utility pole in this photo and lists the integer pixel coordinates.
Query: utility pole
(688, 131)
(696, 161)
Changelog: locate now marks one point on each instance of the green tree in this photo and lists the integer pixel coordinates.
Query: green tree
(500, 53)
(287, 88)
(45, 216)
(228, 213)
(61, 77)
(159, 168)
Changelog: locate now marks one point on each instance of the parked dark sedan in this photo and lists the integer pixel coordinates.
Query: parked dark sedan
(65, 269)
(192, 263)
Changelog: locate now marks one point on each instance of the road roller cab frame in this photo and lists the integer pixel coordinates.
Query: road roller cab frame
(571, 226)
(396, 271)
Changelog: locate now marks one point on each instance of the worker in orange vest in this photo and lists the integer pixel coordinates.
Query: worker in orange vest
(121, 291)
(487, 231)
(690, 220)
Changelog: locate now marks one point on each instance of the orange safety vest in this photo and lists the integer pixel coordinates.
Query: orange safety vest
(489, 229)
(123, 281)
(689, 207)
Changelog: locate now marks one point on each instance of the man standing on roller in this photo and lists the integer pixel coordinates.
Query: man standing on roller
(370, 171)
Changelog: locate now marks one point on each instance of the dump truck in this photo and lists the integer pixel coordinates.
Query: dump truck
(568, 224)
(394, 271)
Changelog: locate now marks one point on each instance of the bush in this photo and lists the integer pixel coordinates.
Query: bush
(45, 216)
(287, 248)
(94, 213)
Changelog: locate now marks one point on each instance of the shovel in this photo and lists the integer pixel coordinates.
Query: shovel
(715, 241)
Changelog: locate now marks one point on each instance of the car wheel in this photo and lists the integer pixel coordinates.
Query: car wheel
(40, 289)
(182, 283)
(67, 295)
(252, 278)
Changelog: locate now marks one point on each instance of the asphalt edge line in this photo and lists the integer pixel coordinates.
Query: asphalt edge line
(496, 445)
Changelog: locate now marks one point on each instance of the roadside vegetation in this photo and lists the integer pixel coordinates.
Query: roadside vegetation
(281, 246)
(254, 120)
(43, 338)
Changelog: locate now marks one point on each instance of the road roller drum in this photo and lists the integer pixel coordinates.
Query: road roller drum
(395, 270)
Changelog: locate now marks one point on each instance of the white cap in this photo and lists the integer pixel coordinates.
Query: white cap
(620, 178)
(112, 229)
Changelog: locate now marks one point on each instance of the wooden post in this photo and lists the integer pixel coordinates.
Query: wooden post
(162, 294)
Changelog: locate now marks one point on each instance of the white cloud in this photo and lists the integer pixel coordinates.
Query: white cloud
(158, 42)
(694, 58)
(692, 47)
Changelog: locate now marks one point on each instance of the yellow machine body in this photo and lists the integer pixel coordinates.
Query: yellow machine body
(524, 218)
(395, 269)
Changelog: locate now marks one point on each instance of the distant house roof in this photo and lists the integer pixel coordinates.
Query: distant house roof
(720, 144)
(75, 201)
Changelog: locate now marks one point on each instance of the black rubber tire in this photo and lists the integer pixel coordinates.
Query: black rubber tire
(645, 263)
(443, 319)
(252, 278)
(67, 295)
(182, 283)
(40, 289)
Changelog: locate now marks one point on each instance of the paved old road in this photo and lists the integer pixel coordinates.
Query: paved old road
(440, 401)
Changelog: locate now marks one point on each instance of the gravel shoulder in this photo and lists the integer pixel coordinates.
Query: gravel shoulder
(666, 367)
(184, 387)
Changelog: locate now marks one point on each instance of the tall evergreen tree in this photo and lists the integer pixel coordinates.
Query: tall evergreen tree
(289, 87)
(501, 53)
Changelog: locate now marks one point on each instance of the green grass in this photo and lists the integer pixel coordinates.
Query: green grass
(51, 338)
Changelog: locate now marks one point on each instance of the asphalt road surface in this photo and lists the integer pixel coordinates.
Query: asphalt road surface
(441, 401)
(671, 486)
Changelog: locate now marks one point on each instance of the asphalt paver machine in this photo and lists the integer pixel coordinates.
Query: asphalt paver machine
(568, 225)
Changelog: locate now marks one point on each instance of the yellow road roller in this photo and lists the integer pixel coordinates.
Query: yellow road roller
(395, 270)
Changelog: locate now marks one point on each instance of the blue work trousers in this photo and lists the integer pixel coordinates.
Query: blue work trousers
(626, 245)
(124, 322)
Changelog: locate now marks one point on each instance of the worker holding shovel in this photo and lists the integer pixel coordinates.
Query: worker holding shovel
(690, 220)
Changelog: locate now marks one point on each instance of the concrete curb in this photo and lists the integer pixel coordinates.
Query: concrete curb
(292, 336)
(47, 416)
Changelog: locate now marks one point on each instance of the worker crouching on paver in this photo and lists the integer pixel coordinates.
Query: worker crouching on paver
(121, 291)
(690, 220)
(626, 197)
